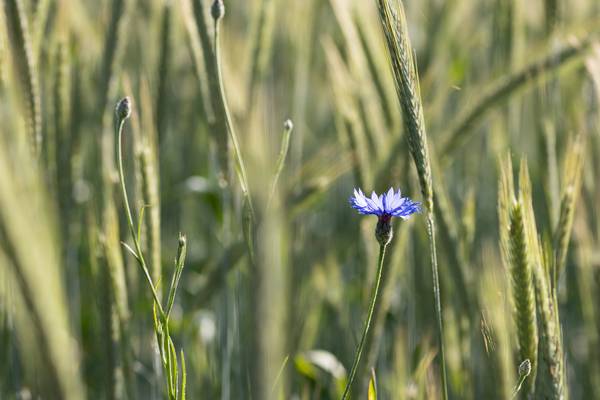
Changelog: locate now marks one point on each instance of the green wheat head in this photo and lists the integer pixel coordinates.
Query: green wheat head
(550, 383)
(517, 254)
(407, 88)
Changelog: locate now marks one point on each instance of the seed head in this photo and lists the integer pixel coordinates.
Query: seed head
(123, 109)
(525, 368)
(182, 240)
(217, 10)
(288, 125)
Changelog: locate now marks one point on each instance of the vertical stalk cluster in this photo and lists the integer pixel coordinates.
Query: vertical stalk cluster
(517, 257)
(393, 21)
(168, 354)
(529, 265)
(218, 117)
(222, 122)
(25, 67)
(31, 262)
(263, 266)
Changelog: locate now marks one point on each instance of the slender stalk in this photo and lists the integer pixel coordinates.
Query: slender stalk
(223, 114)
(436, 294)
(239, 161)
(406, 79)
(140, 257)
(285, 144)
(363, 339)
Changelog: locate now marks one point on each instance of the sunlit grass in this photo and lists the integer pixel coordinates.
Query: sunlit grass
(249, 124)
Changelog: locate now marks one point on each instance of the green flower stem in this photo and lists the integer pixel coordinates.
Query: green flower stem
(138, 249)
(363, 339)
(239, 161)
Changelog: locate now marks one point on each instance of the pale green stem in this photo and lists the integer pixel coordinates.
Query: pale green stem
(518, 387)
(363, 339)
(438, 303)
(240, 167)
(138, 249)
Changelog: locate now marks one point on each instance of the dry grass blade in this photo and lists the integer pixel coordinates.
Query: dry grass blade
(463, 126)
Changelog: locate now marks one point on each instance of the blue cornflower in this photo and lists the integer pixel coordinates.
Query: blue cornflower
(386, 206)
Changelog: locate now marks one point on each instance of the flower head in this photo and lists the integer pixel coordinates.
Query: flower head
(385, 206)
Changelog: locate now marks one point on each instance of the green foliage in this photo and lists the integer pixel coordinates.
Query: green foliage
(418, 95)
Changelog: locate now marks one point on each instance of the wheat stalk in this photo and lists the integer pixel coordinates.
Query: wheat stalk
(407, 89)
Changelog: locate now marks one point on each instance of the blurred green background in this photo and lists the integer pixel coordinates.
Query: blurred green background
(496, 76)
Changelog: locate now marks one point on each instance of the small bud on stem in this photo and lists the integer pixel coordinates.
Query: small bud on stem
(525, 368)
(123, 109)
(288, 125)
(217, 10)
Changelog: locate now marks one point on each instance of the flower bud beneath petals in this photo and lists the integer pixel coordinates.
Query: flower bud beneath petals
(123, 109)
(383, 231)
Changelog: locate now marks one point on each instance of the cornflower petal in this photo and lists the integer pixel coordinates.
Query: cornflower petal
(359, 199)
(390, 204)
(375, 203)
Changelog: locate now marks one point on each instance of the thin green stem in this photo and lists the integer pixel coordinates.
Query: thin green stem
(132, 230)
(240, 167)
(363, 339)
(518, 387)
(438, 303)
(285, 144)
